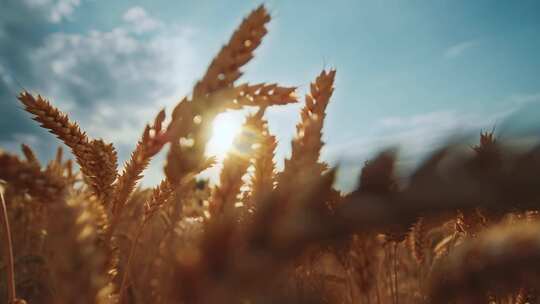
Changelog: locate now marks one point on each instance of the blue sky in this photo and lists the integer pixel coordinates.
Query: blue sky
(410, 73)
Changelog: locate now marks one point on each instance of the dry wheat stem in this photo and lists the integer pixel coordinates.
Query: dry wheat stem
(12, 294)
(125, 275)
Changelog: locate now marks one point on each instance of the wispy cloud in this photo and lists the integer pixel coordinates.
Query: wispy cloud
(140, 20)
(521, 99)
(458, 49)
(415, 136)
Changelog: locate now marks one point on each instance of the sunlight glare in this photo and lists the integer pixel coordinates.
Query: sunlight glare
(225, 128)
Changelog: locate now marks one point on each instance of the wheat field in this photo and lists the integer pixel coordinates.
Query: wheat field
(463, 227)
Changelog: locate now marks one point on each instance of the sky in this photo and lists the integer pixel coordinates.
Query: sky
(409, 73)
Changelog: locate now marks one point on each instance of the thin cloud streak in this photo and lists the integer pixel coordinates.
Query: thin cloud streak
(459, 49)
(415, 136)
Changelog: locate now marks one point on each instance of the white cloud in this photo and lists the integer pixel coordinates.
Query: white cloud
(5, 77)
(57, 10)
(107, 66)
(521, 99)
(432, 118)
(460, 48)
(63, 10)
(113, 82)
(136, 77)
(140, 21)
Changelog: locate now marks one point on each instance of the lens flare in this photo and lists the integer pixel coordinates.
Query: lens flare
(225, 128)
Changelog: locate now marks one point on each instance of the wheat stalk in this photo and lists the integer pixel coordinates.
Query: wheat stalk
(8, 254)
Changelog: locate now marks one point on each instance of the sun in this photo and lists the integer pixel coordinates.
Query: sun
(224, 129)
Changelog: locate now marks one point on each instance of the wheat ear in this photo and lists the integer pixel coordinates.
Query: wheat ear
(309, 132)
(264, 174)
(44, 185)
(261, 95)
(150, 144)
(191, 120)
(100, 166)
(225, 67)
(417, 241)
(96, 158)
(307, 144)
(55, 121)
(30, 155)
(235, 166)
